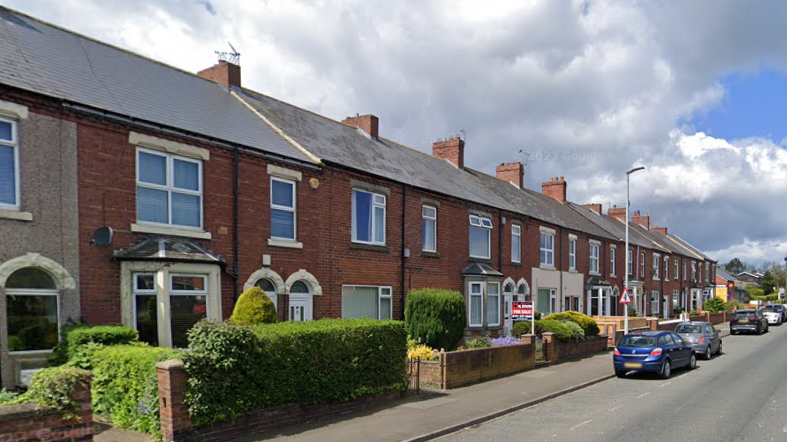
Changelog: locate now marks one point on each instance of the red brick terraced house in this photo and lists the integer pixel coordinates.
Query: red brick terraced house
(132, 192)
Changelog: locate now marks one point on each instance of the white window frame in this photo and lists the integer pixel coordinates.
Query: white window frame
(426, 218)
(707, 272)
(613, 260)
(630, 268)
(642, 266)
(656, 266)
(516, 243)
(14, 145)
(481, 223)
(136, 291)
(497, 305)
(548, 250)
(170, 187)
(594, 261)
(378, 201)
(693, 271)
(676, 269)
(655, 302)
(572, 252)
(470, 296)
(685, 273)
(292, 209)
(381, 289)
(666, 268)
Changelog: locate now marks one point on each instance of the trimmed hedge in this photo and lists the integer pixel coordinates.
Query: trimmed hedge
(523, 328)
(77, 339)
(235, 370)
(125, 385)
(587, 323)
(576, 330)
(254, 307)
(435, 317)
(561, 331)
(54, 388)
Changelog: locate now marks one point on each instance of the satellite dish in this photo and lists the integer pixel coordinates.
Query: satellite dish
(102, 236)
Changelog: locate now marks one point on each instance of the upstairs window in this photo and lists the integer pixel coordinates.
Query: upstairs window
(677, 269)
(707, 271)
(666, 268)
(282, 209)
(693, 271)
(429, 228)
(547, 249)
(642, 266)
(594, 257)
(613, 260)
(656, 260)
(169, 189)
(685, 274)
(368, 224)
(631, 262)
(572, 254)
(9, 165)
(480, 230)
(516, 243)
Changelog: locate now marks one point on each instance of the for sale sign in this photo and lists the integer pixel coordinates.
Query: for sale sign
(522, 310)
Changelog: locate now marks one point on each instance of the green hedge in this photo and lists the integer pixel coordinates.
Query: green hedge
(576, 331)
(587, 323)
(523, 328)
(561, 331)
(54, 387)
(435, 317)
(254, 307)
(234, 370)
(80, 340)
(715, 305)
(125, 385)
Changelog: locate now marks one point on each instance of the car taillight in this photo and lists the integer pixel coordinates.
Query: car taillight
(755, 319)
(702, 340)
(733, 320)
(617, 353)
(656, 352)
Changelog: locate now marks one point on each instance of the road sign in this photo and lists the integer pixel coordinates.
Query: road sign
(625, 298)
(522, 310)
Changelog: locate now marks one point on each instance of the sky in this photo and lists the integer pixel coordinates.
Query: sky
(694, 90)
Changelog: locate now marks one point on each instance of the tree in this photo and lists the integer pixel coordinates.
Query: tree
(735, 266)
(768, 282)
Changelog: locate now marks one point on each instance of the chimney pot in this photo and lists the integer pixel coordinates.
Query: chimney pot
(555, 188)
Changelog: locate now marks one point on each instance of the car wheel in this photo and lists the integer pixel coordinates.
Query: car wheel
(733, 332)
(718, 351)
(620, 373)
(708, 353)
(693, 361)
(666, 369)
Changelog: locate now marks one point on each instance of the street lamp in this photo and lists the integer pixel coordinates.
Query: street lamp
(626, 276)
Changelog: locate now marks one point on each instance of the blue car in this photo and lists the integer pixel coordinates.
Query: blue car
(656, 351)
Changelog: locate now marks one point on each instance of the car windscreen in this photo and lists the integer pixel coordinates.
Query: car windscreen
(768, 309)
(688, 328)
(637, 341)
(744, 315)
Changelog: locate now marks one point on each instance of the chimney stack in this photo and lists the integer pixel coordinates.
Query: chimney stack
(618, 213)
(556, 188)
(660, 230)
(224, 73)
(511, 172)
(642, 220)
(451, 150)
(594, 207)
(367, 123)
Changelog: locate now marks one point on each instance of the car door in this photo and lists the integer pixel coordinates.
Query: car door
(682, 350)
(712, 336)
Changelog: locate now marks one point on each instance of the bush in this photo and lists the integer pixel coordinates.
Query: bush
(733, 305)
(125, 385)
(234, 370)
(479, 342)
(561, 331)
(715, 305)
(588, 324)
(254, 307)
(523, 328)
(77, 336)
(422, 352)
(54, 388)
(577, 333)
(633, 312)
(435, 317)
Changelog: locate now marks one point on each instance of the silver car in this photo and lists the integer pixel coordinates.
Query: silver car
(705, 339)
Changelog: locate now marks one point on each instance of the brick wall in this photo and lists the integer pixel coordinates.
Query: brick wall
(27, 422)
(565, 351)
(468, 367)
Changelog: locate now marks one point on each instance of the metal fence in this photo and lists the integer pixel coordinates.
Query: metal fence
(414, 375)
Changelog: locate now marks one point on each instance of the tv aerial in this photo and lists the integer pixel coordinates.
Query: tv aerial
(232, 57)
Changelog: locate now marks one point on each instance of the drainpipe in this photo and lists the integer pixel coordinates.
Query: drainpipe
(500, 243)
(235, 253)
(403, 258)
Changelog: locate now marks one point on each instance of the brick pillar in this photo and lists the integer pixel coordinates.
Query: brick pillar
(173, 412)
(550, 347)
(531, 339)
(83, 431)
(653, 324)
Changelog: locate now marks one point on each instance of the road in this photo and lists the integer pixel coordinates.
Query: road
(740, 395)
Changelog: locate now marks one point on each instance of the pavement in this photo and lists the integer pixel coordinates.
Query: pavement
(432, 414)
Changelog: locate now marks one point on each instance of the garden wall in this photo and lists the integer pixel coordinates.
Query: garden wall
(468, 367)
(28, 422)
(562, 351)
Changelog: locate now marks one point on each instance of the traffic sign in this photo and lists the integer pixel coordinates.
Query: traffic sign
(625, 298)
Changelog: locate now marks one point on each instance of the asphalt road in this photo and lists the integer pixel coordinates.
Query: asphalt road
(740, 395)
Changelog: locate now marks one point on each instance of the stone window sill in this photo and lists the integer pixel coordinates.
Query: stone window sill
(16, 215)
(371, 247)
(285, 243)
(174, 231)
(426, 254)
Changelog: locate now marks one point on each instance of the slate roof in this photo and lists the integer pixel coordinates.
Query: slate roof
(335, 143)
(480, 269)
(614, 226)
(723, 273)
(665, 242)
(166, 248)
(688, 245)
(45, 59)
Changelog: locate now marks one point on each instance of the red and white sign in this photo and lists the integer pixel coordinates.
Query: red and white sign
(625, 298)
(522, 310)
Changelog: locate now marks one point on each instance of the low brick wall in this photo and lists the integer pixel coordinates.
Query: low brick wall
(28, 422)
(468, 367)
(634, 321)
(717, 318)
(431, 373)
(176, 425)
(619, 334)
(564, 351)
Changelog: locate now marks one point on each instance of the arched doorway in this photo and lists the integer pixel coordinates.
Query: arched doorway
(508, 295)
(300, 302)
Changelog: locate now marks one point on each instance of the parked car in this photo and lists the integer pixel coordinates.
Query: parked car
(772, 315)
(781, 309)
(748, 321)
(702, 336)
(655, 351)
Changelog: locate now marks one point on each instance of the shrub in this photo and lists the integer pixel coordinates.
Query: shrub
(254, 307)
(54, 388)
(422, 352)
(715, 305)
(76, 336)
(479, 342)
(7, 396)
(125, 385)
(578, 334)
(633, 312)
(588, 324)
(694, 312)
(562, 333)
(733, 305)
(435, 317)
(523, 328)
(234, 370)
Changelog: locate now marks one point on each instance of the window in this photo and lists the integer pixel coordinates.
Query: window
(548, 249)
(516, 243)
(572, 303)
(677, 269)
(675, 299)
(187, 305)
(707, 271)
(666, 268)
(685, 275)
(642, 266)
(9, 165)
(270, 289)
(523, 293)
(429, 228)
(613, 260)
(547, 300)
(631, 262)
(283, 217)
(169, 189)
(476, 304)
(480, 228)
(656, 271)
(145, 307)
(654, 302)
(366, 302)
(594, 257)
(368, 224)
(492, 303)
(32, 310)
(572, 253)
(693, 271)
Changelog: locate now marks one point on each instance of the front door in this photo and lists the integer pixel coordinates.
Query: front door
(509, 321)
(300, 308)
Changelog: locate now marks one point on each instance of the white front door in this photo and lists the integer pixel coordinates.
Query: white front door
(300, 307)
(508, 321)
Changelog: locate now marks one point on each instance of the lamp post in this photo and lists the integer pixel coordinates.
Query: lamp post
(626, 277)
